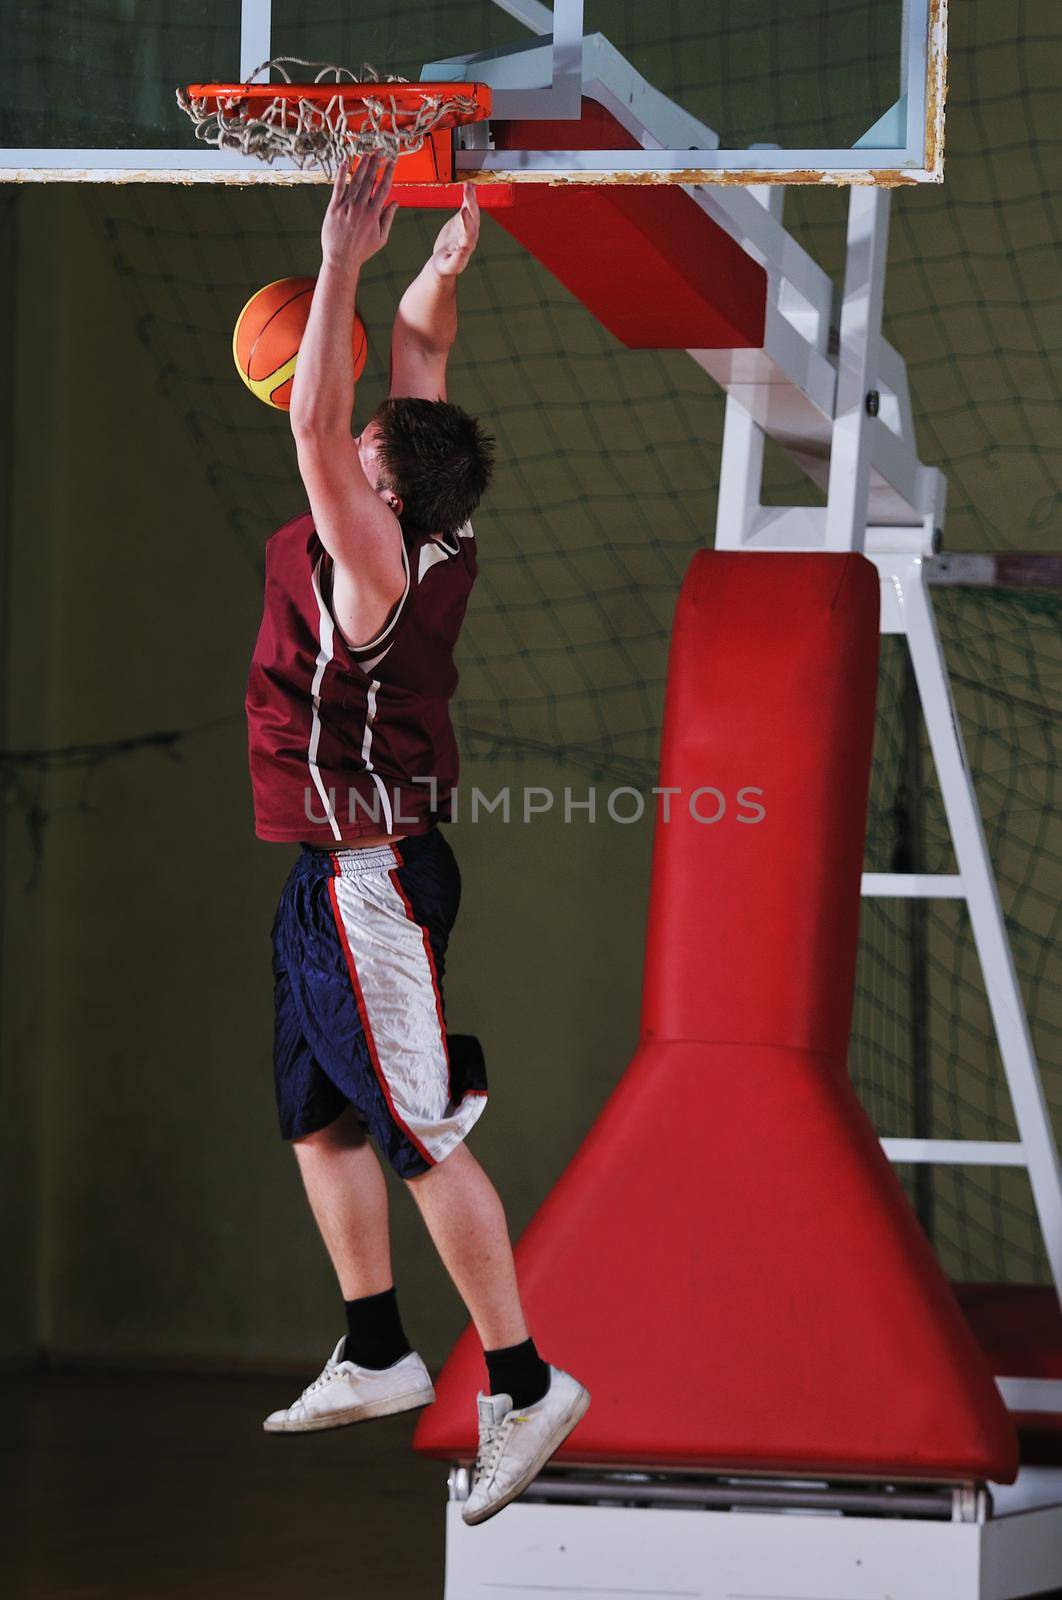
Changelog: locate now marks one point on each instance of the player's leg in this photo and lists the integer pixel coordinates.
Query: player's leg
(433, 1087)
(464, 1214)
(532, 1405)
(347, 1191)
(395, 926)
(372, 1370)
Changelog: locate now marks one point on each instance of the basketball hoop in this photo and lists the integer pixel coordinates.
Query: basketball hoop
(335, 118)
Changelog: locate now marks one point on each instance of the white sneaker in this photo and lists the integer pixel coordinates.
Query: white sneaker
(514, 1445)
(345, 1392)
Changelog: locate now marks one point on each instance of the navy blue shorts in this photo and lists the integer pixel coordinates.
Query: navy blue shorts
(359, 944)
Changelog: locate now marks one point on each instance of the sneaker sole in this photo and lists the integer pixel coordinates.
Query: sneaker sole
(363, 1413)
(575, 1412)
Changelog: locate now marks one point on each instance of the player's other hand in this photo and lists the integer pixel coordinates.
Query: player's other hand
(458, 237)
(359, 217)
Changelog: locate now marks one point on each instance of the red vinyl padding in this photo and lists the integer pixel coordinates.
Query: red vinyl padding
(645, 259)
(729, 1263)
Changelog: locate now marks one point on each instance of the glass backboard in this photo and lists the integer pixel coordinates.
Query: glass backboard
(703, 90)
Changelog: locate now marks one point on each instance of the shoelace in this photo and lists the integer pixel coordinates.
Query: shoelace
(492, 1436)
(331, 1371)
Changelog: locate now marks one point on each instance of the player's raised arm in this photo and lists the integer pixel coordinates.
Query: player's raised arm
(356, 225)
(356, 521)
(425, 325)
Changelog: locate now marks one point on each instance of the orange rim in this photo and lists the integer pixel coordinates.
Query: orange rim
(405, 99)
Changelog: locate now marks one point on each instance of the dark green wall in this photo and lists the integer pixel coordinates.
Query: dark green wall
(170, 1223)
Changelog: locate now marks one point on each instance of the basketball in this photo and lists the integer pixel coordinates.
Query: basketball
(267, 335)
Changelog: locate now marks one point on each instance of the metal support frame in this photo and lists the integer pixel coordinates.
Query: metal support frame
(908, 610)
(848, 486)
(845, 421)
(555, 72)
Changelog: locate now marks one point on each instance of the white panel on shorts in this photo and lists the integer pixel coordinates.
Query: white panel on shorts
(399, 1003)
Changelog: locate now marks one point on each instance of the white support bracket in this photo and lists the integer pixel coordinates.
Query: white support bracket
(849, 427)
(956, 1152)
(914, 885)
(789, 386)
(544, 82)
(848, 490)
(255, 32)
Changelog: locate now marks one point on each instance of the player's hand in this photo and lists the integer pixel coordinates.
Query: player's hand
(359, 218)
(458, 237)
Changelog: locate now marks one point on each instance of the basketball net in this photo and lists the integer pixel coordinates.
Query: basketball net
(320, 129)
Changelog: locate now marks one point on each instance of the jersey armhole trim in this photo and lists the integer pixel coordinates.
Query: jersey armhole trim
(463, 532)
(360, 650)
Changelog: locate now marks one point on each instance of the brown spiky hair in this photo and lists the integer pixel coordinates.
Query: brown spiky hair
(436, 458)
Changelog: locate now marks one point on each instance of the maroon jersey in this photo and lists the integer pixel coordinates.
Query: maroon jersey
(346, 742)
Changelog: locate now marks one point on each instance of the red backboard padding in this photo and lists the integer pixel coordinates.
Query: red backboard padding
(729, 1263)
(644, 259)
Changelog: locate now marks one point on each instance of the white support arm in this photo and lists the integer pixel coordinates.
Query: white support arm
(864, 292)
(255, 26)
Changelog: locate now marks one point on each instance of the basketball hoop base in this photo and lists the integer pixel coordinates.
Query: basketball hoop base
(708, 1554)
(334, 118)
(426, 178)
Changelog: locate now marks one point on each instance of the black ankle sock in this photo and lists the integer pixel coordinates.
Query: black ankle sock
(375, 1336)
(518, 1370)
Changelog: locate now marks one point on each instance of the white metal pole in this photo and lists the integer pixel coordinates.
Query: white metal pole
(255, 34)
(860, 335)
(740, 477)
(568, 58)
(741, 462)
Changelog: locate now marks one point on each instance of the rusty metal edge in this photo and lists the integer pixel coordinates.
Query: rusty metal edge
(936, 89)
(882, 177)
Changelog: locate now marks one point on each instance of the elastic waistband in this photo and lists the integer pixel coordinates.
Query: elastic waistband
(350, 862)
(376, 858)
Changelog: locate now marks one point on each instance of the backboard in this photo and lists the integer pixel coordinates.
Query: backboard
(702, 91)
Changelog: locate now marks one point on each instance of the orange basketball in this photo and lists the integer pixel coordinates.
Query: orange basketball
(268, 332)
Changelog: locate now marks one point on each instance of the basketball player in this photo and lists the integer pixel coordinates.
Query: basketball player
(352, 756)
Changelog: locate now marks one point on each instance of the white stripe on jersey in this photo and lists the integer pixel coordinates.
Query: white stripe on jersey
(366, 755)
(324, 656)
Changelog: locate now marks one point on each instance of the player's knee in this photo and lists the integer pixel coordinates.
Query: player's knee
(450, 1162)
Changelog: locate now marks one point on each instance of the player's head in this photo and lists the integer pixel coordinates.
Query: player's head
(430, 460)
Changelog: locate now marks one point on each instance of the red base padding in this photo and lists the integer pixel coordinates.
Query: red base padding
(644, 259)
(729, 1263)
(730, 1266)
